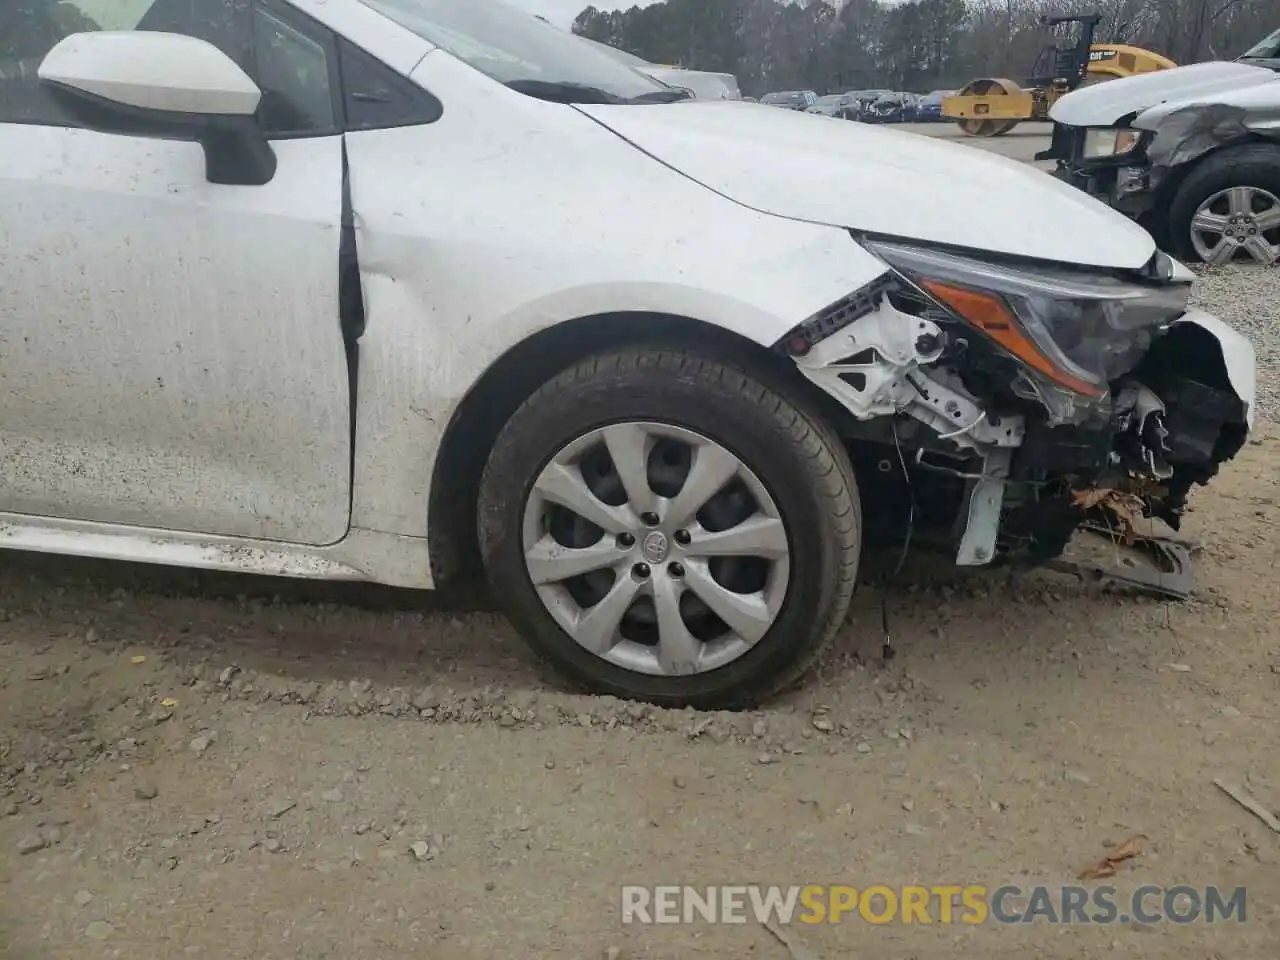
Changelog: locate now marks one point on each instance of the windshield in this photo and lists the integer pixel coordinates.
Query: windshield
(523, 52)
(1269, 47)
(630, 59)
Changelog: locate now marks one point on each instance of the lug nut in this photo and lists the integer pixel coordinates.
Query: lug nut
(682, 537)
(676, 570)
(640, 571)
(626, 541)
(649, 519)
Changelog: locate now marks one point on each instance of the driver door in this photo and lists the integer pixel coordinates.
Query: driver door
(171, 353)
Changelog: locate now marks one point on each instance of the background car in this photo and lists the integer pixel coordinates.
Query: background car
(865, 98)
(842, 105)
(700, 84)
(791, 99)
(929, 107)
(889, 108)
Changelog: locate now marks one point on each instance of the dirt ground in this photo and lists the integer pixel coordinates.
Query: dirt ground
(197, 766)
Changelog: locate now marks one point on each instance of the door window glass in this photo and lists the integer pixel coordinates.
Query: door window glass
(294, 72)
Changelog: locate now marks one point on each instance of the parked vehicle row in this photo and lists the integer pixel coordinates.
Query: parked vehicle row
(867, 106)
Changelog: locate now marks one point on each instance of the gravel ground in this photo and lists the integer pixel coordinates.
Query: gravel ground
(203, 766)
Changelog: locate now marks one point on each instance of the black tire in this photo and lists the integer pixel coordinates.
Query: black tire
(1252, 165)
(795, 455)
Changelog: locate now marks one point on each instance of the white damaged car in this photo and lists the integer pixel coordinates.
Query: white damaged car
(403, 290)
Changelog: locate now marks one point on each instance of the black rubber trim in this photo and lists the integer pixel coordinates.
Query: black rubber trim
(236, 150)
(835, 317)
(351, 312)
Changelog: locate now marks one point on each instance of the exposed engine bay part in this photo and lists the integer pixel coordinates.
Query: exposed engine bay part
(1140, 429)
(875, 367)
(978, 545)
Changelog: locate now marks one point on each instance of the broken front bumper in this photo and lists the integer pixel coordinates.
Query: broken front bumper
(1122, 182)
(1023, 481)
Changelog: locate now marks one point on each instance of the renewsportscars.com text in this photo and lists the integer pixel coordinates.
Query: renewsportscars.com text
(940, 904)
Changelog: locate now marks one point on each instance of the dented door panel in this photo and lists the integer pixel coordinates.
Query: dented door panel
(172, 355)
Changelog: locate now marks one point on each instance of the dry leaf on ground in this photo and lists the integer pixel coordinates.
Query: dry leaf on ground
(1106, 867)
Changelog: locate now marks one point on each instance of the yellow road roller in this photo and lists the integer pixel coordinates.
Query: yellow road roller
(992, 106)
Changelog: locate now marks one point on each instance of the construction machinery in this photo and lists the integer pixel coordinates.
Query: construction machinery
(992, 106)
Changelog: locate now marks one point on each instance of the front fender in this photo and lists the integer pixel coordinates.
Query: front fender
(515, 215)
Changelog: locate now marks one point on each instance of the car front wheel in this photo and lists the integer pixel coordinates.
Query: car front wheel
(664, 526)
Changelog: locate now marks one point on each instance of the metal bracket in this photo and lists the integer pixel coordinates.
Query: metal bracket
(978, 545)
(876, 366)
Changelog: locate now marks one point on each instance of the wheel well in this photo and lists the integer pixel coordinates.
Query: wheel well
(480, 417)
(1176, 176)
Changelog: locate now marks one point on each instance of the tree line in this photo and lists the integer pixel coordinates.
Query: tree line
(920, 45)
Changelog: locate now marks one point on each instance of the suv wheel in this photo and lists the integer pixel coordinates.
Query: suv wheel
(1228, 208)
(663, 526)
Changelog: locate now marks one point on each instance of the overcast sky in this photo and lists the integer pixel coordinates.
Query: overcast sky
(562, 12)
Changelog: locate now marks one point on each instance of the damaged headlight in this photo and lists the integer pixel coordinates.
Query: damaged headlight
(1100, 143)
(1073, 329)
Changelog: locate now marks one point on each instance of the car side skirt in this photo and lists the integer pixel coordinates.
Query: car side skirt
(363, 555)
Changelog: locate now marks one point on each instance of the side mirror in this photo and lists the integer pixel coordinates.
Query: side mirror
(167, 86)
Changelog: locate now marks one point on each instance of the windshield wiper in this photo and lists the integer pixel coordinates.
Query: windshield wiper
(559, 91)
(662, 96)
(563, 91)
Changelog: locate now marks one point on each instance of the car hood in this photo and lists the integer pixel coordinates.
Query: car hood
(864, 178)
(1106, 104)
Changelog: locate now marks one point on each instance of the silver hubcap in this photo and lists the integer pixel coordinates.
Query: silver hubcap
(656, 548)
(1237, 223)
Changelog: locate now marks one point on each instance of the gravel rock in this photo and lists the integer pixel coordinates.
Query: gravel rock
(332, 796)
(83, 898)
(31, 843)
(146, 791)
(202, 742)
(99, 930)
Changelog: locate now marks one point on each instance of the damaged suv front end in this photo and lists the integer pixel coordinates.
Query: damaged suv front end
(1167, 150)
(1017, 396)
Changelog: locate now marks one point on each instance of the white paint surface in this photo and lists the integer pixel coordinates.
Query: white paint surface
(171, 355)
(869, 178)
(511, 215)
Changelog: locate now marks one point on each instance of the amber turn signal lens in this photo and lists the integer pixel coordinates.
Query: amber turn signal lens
(990, 314)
